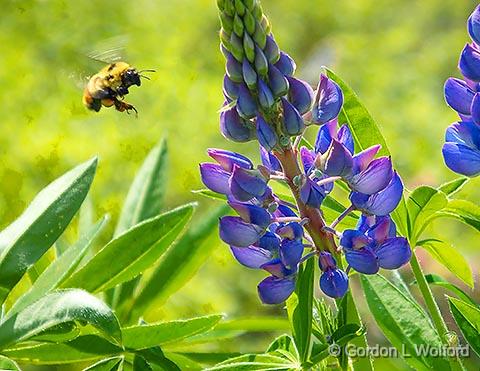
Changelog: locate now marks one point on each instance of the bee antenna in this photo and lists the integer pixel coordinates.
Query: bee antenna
(148, 70)
(145, 77)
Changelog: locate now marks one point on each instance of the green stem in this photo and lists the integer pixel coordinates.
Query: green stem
(433, 308)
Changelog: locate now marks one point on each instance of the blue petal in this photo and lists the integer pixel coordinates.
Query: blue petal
(275, 290)
(334, 283)
(476, 108)
(269, 160)
(246, 105)
(374, 178)
(337, 161)
(228, 158)
(292, 231)
(465, 132)
(251, 256)
(362, 159)
(265, 95)
(469, 63)
(283, 210)
(458, 95)
(300, 94)
(461, 159)
(381, 203)
(292, 121)
(308, 158)
(234, 231)
(311, 193)
(276, 268)
(328, 101)
(246, 184)
(345, 137)
(269, 241)
(252, 213)
(230, 88)
(265, 134)
(474, 25)
(326, 261)
(277, 81)
(363, 260)
(324, 136)
(286, 64)
(233, 127)
(354, 239)
(215, 178)
(394, 253)
(381, 230)
(291, 252)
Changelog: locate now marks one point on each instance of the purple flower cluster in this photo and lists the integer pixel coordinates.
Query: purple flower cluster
(266, 234)
(264, 101)
(461, 151)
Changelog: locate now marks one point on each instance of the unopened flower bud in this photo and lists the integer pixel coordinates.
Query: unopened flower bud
(277, 82)
(249, 47)
(292, 120)
(236, 47)
(234, 69)
(260, 35)
(233, 127)
(300, 94)
(249, 75)
(246, 105)
(286, 64)
(230, 89)
(249, 22)
(265, 134)
(272, 52)
(261, 63)
(265, 96)
(337, 161)
(238, 25)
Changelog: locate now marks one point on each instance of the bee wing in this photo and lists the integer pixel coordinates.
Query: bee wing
(109, 50)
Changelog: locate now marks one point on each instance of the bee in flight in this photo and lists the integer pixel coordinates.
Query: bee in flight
(109, 86)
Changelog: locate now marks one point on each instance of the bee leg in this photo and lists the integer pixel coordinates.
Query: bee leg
(124, 107)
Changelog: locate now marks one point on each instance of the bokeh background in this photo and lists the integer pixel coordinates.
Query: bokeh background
(396, 54)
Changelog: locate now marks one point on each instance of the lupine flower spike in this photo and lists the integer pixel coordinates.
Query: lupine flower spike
(263, 100)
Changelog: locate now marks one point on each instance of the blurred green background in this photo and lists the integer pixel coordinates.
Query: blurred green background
(396, 54)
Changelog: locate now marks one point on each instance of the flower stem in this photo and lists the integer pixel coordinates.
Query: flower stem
(322, 240)
(433, 308)
(342, 216)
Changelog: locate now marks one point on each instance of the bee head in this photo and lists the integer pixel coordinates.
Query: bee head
(131, 77)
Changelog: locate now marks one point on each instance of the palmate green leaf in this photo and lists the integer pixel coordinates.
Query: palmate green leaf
(452, 187)
(108, 364)
(8, 364)
(467, 318)
(145, 197)
(422, 204)
(179, 263)
(450, 258)
(286, 343)
(256, 362)
(365, 131)
(57, 308)
(465, 211)
(60, 269)
(156, 357)
(146, 336)
(301, 309)
(131, 253)
(402, 321)
(24, 241)
(81, 349)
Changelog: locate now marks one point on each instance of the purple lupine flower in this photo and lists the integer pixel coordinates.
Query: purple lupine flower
(246, 184)
(382, 202)
(336, 161)
(459, 95)
(333, 281)
(215, 177)
(228, 158)
(292, 120)
(300, 94)
(374, 245)
(328, 132)
(474, 25)
(265, 134)
(311, 193)
(461, 151)
(286, 64)
(233, 127)
(235, 231)
(327, 102)
(469, 63)
(275, 290)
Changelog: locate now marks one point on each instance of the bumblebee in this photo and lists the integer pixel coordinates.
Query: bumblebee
(109, 86)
